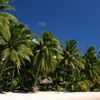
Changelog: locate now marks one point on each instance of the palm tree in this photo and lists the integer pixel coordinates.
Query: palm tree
(92, 65)
(5, 6)
(15, 42)
(71, 61)
(5, 18)
(45, 51)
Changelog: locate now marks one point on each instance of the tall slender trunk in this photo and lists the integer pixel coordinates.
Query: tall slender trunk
(36, 77)
(65, 74)
(12, 78)
(4, 65)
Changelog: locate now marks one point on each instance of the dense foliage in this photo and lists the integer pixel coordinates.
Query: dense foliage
(27, 59)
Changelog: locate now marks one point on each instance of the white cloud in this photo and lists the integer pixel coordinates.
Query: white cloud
(42, 23)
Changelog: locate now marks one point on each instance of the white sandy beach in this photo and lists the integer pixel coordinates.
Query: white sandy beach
(51, 96)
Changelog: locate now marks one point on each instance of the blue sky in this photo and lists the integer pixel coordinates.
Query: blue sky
(66, 19)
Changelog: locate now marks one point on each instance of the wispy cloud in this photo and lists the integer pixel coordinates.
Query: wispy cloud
(42, 23)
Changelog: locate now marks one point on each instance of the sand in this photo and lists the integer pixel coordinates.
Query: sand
(51, 96)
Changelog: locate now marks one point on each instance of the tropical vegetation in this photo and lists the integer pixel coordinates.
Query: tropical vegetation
(27, 59)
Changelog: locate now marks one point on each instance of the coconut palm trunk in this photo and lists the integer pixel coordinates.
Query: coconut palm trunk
(3, 66)
(12, 77)
(65, 74)
(36, 78)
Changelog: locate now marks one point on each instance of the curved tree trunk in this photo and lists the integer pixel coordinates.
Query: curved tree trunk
(35, 83)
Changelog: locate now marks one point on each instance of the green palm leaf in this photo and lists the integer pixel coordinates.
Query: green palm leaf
(5, 6)
(5, 53)
(2, 41)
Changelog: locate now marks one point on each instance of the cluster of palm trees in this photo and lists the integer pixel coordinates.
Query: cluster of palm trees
(26, 59)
